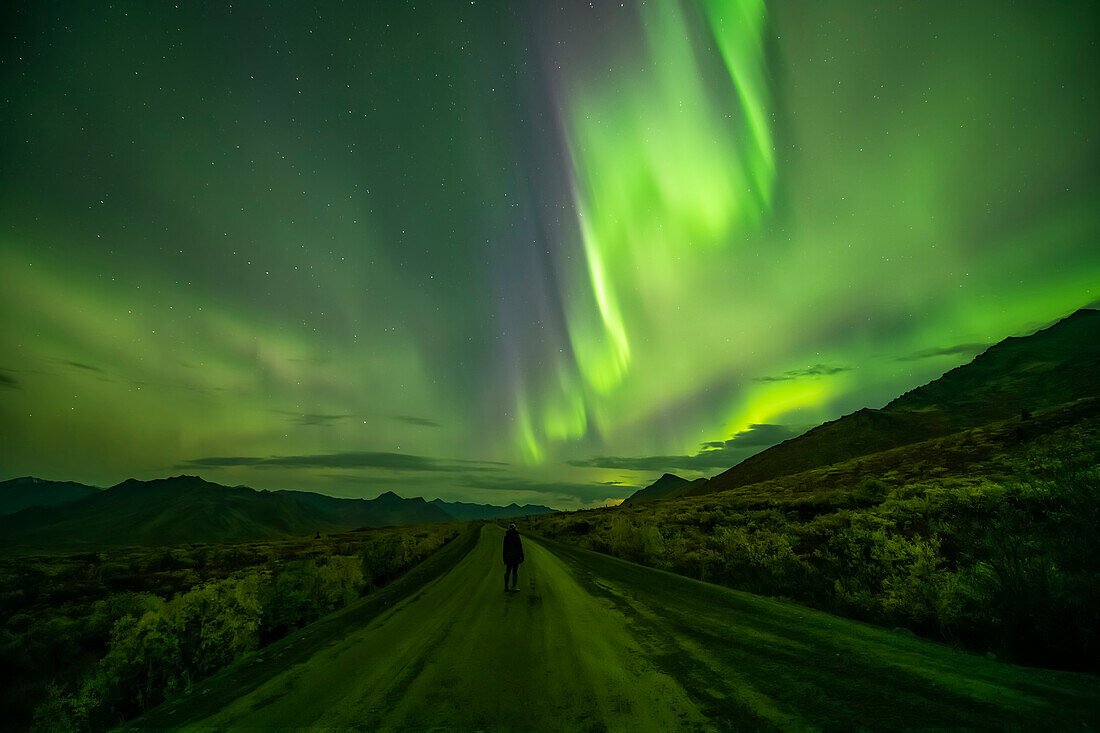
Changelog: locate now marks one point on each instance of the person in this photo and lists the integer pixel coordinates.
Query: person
(513, 556)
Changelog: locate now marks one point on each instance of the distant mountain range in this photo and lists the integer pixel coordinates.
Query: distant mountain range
(20, 493)
(464, 511)
(187, 509)
(1015, 377)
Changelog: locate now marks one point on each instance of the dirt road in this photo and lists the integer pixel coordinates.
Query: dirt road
(594, 643)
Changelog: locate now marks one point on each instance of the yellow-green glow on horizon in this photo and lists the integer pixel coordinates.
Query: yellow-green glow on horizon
(772, 402)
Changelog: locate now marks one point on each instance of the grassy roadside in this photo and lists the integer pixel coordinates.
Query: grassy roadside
(90, 639)
(750, 661)
(217, 691)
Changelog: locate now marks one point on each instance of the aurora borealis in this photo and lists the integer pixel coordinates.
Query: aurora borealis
(518, 251)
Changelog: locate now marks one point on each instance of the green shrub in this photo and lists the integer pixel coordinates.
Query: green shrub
(141, 648)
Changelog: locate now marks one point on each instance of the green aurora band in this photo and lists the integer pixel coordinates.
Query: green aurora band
(665, 170)
(530, 253)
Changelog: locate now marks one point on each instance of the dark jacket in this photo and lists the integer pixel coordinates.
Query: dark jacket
(513, 548)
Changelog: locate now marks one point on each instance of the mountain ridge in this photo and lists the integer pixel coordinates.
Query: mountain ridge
(27, 491)
(465, 511)
(188, 509)
(669, 486)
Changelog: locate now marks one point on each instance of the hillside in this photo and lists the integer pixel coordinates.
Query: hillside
(465, 511)
(19, 493)
(1052, 366)
(668, 486)
(187, 509)
(992, 452)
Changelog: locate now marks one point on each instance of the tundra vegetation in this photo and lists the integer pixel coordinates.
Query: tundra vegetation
(998, 556)
(93, 639)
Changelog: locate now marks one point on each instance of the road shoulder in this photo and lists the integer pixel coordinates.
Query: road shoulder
(245, 675)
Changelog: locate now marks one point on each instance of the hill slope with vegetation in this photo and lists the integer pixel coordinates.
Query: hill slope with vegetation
(1018, 375)
(977, 539)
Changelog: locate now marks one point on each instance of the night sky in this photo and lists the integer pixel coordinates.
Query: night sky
(524, 252)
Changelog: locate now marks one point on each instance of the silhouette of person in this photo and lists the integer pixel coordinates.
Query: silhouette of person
(513, 556)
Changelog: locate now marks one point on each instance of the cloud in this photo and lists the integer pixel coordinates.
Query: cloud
(714, 454)
(758, 435)
(221, 462)
(349, 459)
(310, 360)
(183, 387)
(959, 350)
(418, 421)
(700, 462)
(86, 367)
(817, 370)
(312, 418)
(320, 418)
(553, 490)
